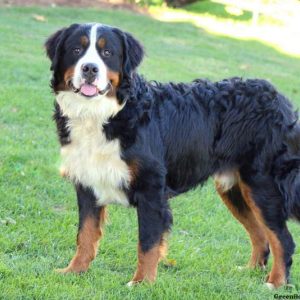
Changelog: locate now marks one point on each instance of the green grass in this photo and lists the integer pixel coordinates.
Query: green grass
(38, 213)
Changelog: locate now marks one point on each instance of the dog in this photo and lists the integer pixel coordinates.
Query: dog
(128, 141)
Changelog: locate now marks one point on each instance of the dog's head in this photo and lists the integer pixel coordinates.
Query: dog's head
(92, 59)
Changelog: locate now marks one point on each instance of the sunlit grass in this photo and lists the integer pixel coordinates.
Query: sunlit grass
(276, 24)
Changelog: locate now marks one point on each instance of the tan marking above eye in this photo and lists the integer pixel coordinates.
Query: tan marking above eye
(84, 40)
(101, 42)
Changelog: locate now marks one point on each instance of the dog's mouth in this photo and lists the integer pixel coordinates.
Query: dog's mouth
(89, 90)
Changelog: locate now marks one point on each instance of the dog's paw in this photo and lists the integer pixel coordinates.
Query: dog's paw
(63, 270)
(270, 286)
(241, 268)
(250, 267)
(76, 270)
(132, 283)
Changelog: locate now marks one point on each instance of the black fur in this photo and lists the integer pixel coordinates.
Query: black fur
(87, 205)
(181, 134)
(62, 130)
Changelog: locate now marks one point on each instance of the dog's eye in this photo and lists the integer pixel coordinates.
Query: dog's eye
(106, 53)
(76, 51)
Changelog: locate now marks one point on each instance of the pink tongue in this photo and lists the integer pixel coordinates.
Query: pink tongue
(88, 90)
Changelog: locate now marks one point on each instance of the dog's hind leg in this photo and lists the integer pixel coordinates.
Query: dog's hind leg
(235, 202)
(91, 221)
(263, 198)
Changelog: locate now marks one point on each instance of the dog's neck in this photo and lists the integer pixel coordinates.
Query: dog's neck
(76, 106)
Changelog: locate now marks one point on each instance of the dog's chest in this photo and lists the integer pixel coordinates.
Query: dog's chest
(95, 162)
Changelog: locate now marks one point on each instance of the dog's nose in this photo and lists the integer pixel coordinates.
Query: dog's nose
(90, 68)
(89, 71)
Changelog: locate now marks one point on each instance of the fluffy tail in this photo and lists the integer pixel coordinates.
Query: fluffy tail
(287, 173)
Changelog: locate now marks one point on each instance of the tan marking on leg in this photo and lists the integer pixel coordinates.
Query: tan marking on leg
(87, 244)
(103, 219)
(277, 275)
(163, 247)
(148, 262)
(255, 231)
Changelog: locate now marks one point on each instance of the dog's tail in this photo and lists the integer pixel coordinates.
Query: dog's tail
(287, 173)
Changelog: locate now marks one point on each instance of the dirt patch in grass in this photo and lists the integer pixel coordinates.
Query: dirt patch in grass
(76, 3)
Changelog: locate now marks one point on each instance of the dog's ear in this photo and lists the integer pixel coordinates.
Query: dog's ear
(133, 52)
(54, 44)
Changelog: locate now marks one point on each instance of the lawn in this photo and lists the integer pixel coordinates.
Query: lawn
(38, 213)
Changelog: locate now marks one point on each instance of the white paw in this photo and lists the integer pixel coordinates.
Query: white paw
(263, 267)
(270, 286)
(131, 283)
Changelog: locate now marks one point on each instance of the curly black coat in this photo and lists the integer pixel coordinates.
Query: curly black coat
(178, 135)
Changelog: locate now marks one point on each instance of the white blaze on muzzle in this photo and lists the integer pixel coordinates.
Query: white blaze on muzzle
(91, 56)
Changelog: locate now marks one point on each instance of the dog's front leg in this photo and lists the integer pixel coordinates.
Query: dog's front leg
(155, 219)
(91, 220)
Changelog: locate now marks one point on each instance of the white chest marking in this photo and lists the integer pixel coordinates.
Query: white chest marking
(90, 158)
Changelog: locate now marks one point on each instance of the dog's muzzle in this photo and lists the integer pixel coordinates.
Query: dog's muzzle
(89, 72)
